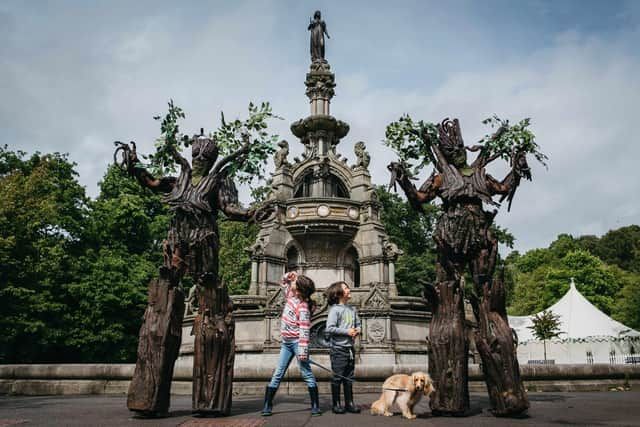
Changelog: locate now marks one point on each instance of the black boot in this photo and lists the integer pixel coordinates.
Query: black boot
(269, 392)
(349, 406)
(335, 396)
(315, 404)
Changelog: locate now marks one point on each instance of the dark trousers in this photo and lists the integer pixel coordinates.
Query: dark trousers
(343, 362)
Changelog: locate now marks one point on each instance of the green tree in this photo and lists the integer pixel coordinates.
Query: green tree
(235, 262)
(627, 308)
(412, 232)
(538, 288)
(123, 234)
(621, 247)
(41, 221)
(546, 325)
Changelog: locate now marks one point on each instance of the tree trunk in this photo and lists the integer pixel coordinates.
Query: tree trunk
(158, 346)
(214, 352)
(495, 343)
(448, 351)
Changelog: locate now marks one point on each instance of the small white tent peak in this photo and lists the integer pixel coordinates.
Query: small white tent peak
(579, 319)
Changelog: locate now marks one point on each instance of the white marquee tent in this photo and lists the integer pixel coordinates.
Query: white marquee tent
(587, 334)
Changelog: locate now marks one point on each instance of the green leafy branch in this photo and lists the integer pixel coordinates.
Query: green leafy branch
(412, 142)
(509, 139)
(162, 161)
(230, 137)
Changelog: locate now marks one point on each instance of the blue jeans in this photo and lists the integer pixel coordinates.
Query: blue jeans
(289, 350)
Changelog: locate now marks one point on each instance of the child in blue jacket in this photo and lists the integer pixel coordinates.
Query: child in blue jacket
(343, 326)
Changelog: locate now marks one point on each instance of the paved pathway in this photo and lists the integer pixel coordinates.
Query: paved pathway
(597, 409)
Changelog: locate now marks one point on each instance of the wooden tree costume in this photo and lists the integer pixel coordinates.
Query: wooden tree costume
(464, 240)
(191, 247)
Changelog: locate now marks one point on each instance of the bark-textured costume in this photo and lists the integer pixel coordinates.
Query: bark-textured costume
(464, 240)
(191, 248)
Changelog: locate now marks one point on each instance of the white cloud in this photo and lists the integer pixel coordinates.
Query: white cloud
(76, 80)
(581, 95)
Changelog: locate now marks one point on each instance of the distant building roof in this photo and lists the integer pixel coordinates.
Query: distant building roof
(579, 319)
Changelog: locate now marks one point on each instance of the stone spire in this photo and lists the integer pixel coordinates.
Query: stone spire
(320, 84)
(320, 132)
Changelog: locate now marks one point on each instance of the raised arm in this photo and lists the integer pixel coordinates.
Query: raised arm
(427, 192)
(131, 164)
(508, 186)
(242, 151)
(229, 204)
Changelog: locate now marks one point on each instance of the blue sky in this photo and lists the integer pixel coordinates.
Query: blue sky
(75, 76)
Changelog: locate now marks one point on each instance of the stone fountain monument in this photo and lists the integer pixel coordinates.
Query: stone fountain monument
(326, 226)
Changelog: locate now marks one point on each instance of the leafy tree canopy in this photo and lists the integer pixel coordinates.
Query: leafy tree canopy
(41, 220)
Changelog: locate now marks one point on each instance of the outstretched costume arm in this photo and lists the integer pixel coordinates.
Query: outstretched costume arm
(416, 198)
(508, 186)
(230, 205)
(238, 154)
(131, 164)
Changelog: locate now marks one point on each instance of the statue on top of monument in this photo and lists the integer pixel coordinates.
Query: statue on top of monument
(318, 30)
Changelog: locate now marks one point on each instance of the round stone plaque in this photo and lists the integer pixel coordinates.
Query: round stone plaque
(353, 213)
(292, 212)
(323, 210)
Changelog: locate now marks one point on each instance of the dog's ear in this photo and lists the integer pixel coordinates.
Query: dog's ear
(412, 384)
(415, 378)
(429, 389)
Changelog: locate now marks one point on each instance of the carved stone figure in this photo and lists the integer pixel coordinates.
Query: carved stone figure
(464, 240)
(318, 30)
(191, 303)
(362, 156)
(280, 158)
(195, 197)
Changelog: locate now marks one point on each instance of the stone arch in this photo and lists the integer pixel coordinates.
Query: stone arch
(294, 255)
(349, 260)
(337, 180)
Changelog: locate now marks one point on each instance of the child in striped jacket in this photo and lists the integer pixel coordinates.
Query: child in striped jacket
(294, 329)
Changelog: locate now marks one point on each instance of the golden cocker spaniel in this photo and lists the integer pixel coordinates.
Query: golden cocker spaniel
(405, 390)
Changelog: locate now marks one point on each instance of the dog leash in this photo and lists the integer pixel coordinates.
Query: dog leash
(349, 379)
(330, 371)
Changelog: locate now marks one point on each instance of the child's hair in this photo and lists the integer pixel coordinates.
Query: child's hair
(306, 288)
(335, 292)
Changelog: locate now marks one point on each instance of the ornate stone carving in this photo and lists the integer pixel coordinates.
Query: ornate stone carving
(257, 249)
(322, 170)
(375, 331)
(390, 249)
(280, 158)
(191, 303)
(362, 156)
(375, 300)
(320, 83)
(276, 303)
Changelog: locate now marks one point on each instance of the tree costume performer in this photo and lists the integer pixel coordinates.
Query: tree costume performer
(201, 190)
(464, 240)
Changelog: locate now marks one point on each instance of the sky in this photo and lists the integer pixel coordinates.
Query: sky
(76, 76)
